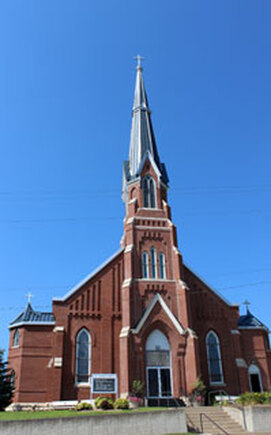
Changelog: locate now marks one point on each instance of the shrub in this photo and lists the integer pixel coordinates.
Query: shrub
(103, 403)
(121, 404)
(138, 388)
(246, 399)
(83, 406)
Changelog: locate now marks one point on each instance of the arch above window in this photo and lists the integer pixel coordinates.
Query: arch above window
(214, 358)
(149, 192)
(83, 356)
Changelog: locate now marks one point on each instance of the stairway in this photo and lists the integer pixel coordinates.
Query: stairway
(215, 421)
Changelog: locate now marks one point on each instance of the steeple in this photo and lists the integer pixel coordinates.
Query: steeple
(142, 140)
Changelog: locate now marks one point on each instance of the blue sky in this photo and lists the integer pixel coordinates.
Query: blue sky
(66, 88)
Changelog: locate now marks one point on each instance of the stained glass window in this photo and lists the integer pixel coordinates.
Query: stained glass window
(83, 357)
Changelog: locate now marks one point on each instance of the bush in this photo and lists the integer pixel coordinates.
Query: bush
(246, 399)
(83, 406)
(103, 403)
(138, 388)
(121, 404)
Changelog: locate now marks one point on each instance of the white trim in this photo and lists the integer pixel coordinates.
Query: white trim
(124, 331)
(128, 248)
(88, 277)
(150, 218)
(58, 329)
(16, 325)
(147, 227)
(240, 362)
(152, 161)
(235, 332)
(160, 300)
(254, 327)
(154, 279)
(127, 282)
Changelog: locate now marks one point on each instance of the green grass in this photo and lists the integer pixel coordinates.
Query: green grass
(33, 415)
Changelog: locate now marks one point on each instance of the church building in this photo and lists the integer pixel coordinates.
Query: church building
(143, 314)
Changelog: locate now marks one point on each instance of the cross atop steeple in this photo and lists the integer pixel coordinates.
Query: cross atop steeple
(29, 296)
(138, 58)
(246, 303)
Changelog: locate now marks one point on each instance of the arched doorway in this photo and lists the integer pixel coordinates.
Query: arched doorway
(158, 365)
(255, 380)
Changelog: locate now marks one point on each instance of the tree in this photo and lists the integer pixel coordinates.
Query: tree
(6, 384)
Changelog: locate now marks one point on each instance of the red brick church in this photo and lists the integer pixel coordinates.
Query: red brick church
(143, 314)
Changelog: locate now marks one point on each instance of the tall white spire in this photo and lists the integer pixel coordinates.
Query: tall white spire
(142, 137)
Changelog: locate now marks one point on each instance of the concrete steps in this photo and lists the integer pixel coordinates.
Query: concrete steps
(214, 420)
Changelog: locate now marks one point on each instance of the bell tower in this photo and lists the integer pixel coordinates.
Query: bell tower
(152, 261)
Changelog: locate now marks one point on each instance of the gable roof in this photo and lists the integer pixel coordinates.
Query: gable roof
(31, 317)
(88, 277)
(158, 299)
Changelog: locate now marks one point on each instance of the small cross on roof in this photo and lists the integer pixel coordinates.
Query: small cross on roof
(246, 303)
(138, 58)
(29, 296)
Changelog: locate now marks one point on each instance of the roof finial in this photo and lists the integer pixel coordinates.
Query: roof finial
(138, 58)
(246, 303)
(29, 296)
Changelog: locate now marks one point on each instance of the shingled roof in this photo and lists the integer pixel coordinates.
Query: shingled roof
(31, 317)
(250, 321)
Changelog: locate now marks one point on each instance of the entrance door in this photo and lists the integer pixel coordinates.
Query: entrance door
(255, 381)
(158, 382)
(158, 366)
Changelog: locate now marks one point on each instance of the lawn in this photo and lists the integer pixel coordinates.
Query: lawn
(30, 415)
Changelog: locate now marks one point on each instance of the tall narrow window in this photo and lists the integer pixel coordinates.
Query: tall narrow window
(162, 266)
(83, 357)
(145, 265)
(149, 198)
(214, 358)
(15, 342)
(152, 193)
(153, 262)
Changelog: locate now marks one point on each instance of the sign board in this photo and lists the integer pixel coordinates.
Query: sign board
(104, 383)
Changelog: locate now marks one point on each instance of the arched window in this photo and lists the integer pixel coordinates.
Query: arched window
(162, 266)
(255, 379)
(214, 358)
(153, 262)
(15, 341)
(83, 342)
(149, 199)
(145, 265)
(157, 352)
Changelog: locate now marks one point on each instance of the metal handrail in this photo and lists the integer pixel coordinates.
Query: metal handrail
(225, 394)
(212, 421)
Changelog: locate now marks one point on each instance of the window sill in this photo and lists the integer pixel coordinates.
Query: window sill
(82, 384)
